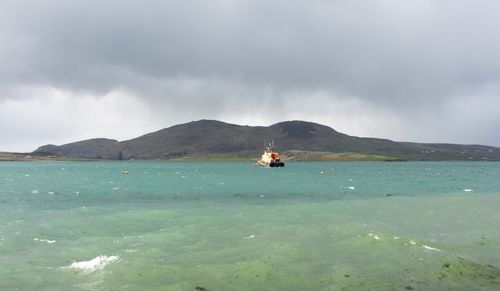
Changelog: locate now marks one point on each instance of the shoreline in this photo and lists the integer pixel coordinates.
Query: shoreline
(339, 157)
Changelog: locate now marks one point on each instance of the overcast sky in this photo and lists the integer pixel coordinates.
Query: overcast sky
(414, 70)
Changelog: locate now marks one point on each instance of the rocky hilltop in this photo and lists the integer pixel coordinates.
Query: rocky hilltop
(299, 139)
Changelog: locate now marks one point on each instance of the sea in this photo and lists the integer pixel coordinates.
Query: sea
(155, 225)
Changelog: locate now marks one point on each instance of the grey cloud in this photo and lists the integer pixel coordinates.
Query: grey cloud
(382, 47)
(411, 56)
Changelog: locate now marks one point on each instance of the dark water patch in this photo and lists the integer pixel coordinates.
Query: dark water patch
(463, 269)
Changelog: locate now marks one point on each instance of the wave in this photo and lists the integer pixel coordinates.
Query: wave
(96, 263)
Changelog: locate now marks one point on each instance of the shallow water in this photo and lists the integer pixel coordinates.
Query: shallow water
(228, 226)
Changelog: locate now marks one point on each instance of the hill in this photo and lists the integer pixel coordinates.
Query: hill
(298, 140)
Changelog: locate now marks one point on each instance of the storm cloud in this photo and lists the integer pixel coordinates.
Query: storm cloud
(406, 70)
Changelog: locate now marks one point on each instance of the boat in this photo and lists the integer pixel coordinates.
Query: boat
(270, 158)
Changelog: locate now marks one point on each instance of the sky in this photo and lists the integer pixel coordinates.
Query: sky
(413, 70)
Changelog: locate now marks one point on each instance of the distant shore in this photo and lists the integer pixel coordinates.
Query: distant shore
(291, 156)
(6, 156)
(294, 155)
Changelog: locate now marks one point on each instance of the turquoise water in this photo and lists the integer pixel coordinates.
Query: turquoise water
(228, 226)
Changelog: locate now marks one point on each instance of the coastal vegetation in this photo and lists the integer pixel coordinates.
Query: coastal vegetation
(296, 155)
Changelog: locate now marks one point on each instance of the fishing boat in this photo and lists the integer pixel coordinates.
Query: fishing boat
(270, 158)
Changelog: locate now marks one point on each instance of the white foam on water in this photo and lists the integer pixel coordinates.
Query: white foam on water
(45, 240)
(51, 193)
(96, 263)
(251, 236)
(35, 191)
(430, 248)
(413, 243)
(467, 190)
(396, 237)
(351, 188)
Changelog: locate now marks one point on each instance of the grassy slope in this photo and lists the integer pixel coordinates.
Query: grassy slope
(296, 155)
(331, 156)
